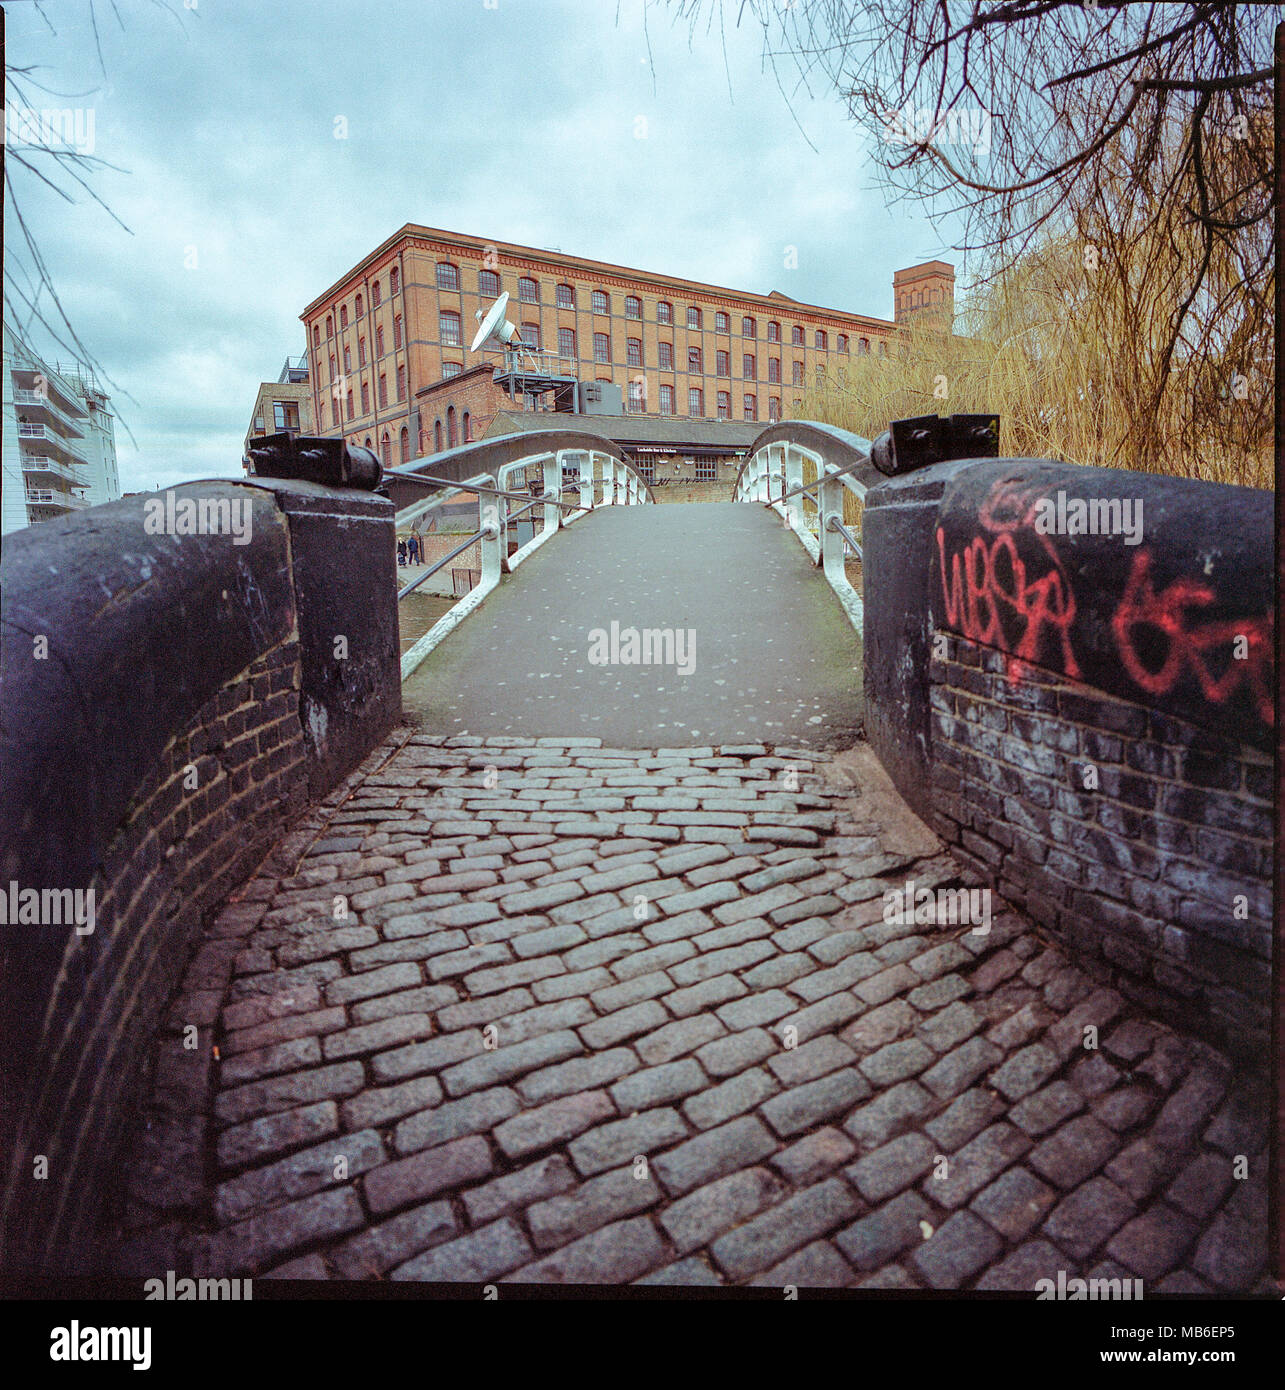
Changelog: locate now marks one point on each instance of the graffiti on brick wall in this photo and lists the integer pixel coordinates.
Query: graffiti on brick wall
(1007, 588)
(1009, 596)
(1241, 646)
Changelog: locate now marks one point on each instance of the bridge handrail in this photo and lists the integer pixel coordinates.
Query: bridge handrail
(602, 477)
(773, 475)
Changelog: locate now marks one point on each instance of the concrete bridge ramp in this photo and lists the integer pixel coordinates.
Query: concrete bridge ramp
(763, 649)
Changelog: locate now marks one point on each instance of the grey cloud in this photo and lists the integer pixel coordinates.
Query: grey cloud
(516, 122)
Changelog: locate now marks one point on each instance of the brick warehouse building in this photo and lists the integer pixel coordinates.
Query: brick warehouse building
(388, 342)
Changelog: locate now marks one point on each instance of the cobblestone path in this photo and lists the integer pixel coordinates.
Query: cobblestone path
(601, 1016)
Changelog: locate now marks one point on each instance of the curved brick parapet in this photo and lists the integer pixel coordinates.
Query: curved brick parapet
(1084, 709)
(172, 699)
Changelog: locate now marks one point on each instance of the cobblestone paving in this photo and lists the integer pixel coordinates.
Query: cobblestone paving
(602, 1016)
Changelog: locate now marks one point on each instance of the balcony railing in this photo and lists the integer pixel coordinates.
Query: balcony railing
(41, 463)
(69, 446)
(47, 497)
(73, 421)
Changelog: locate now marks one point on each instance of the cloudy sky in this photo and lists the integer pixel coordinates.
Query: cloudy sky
(512, 119)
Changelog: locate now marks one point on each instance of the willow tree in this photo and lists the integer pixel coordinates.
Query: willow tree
(1135, 139)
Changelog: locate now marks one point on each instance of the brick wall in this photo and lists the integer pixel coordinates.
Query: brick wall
(473, 392)
(1087, 719)
(416, 251)
(1139, 840)
(221, 793)
(163, 745)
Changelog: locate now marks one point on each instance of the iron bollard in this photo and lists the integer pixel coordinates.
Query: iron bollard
(928, 439)
(312, 459)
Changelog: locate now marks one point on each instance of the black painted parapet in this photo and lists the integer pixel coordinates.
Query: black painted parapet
(1173, 609)
(1078, 695)
(170, 702)
(897, 540)
(343, 549)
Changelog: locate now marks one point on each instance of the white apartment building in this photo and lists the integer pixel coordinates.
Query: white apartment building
(59, 440)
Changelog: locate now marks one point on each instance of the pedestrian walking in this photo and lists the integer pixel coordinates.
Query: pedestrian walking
(413, 547)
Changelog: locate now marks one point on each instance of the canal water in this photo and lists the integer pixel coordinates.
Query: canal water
(418, 612)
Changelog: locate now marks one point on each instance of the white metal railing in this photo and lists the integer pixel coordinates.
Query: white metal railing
(812, 507)
(42, 463)
(47, 497)
(59, 441)
(595, 478)
(72, 420)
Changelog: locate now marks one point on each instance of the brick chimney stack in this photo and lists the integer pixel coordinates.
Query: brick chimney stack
(928, 287)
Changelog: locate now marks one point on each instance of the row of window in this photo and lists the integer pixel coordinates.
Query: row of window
(637, 402)
(359, 306)
(441, 440)
(636, 398)
(448, 278)
(365, 396)
(564, 297)
(449, 330)
(361, 347)
(449, 439)
(386, 447)
(706, 470)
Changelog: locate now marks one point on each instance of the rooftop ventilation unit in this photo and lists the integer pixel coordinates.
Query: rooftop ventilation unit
(600, 398)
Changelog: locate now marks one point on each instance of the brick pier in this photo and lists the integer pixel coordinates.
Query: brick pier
(546, 1011)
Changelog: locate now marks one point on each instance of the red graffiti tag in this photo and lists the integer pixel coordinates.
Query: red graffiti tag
(1188, 646)
(977, 601)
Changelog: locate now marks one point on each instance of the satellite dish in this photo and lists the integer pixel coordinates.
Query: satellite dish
(494, 324)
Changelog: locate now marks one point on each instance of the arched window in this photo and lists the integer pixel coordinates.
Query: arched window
(448, 276)
(386, 450)
(451, 439)
(359, 303)
(368, 442)
(468, 429)
(437, 437)
(316, 335)
(405, 445)
(330, 326)
(394, 280)
(528, 291)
